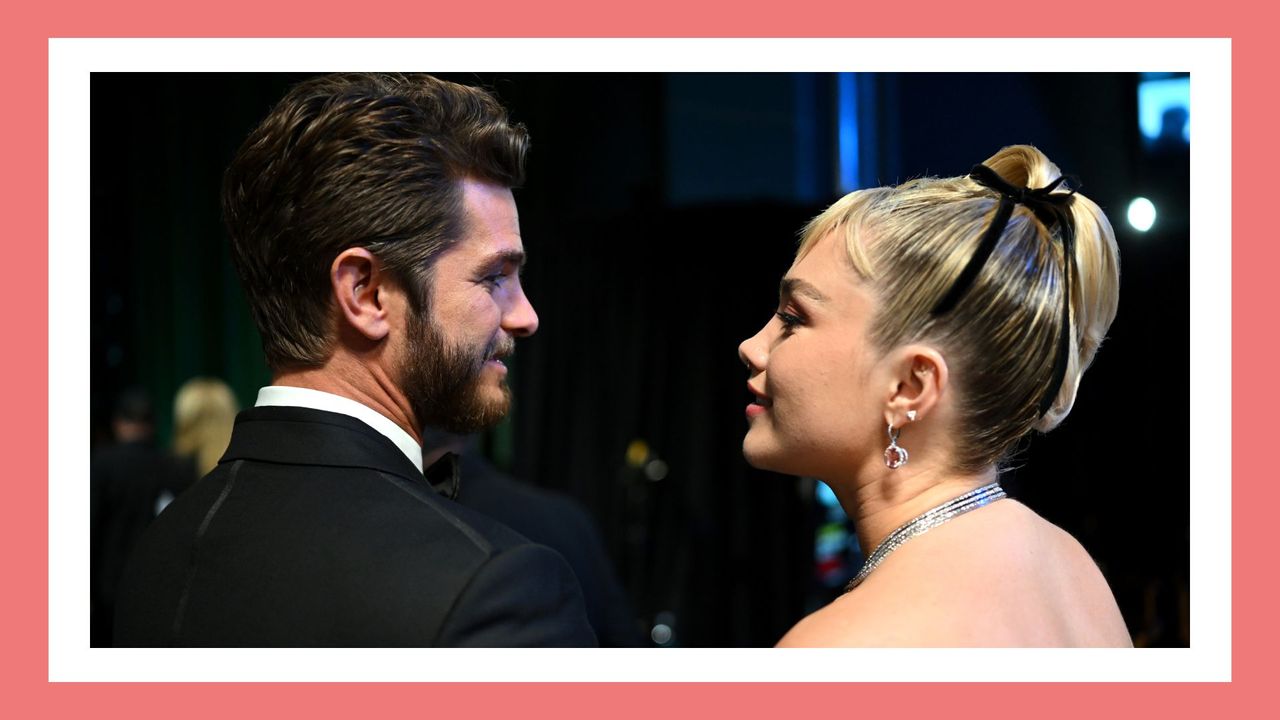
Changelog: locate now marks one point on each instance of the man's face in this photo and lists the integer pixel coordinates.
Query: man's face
(452, 371)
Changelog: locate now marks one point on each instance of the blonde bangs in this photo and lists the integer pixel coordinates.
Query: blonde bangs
(843, 217)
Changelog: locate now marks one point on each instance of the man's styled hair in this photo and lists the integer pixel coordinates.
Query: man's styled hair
(356, 160)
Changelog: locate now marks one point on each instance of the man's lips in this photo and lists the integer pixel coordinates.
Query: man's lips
(500, 351)
(498, 360)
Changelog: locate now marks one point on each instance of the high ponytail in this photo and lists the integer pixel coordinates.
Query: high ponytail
(1095, 288)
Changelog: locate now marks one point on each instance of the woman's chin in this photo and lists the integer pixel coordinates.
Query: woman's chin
(785, 460)
(760, 457)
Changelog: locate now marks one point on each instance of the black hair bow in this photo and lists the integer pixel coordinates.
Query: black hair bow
(1052, 209)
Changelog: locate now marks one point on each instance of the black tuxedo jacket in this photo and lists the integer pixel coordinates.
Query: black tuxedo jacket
(316, 530)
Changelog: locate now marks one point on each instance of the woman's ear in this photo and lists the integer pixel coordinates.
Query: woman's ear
(917, 383)
(357, 279)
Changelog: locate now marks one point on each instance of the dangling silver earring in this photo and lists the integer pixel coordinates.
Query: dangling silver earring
(894, 455)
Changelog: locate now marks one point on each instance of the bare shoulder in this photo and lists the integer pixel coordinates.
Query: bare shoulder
(1003, 576)
(868, 617)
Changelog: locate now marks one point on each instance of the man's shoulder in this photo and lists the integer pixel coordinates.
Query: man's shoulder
(357, 556)
(359, 507)
(332, 469)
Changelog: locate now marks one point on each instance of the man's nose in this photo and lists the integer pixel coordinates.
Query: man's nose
(521, 320)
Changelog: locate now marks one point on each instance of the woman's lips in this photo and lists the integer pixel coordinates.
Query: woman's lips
(760, 405)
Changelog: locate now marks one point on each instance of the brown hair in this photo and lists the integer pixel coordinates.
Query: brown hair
(911, 242)
(355, 160)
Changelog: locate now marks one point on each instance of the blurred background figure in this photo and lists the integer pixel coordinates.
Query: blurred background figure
(204, 410)
(128, 477)
(547, 518)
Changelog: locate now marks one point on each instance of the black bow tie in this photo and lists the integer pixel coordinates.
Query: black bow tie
(444, 476)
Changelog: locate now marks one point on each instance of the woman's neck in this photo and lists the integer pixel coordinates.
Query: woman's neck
(880, 500)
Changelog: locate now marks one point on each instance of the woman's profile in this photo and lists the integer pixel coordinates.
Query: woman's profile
(922, 330)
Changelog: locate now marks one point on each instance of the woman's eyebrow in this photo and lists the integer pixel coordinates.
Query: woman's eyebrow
(795, 286)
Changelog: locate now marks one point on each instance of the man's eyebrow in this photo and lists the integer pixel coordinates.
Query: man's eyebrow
(795, 286)
(515, 257)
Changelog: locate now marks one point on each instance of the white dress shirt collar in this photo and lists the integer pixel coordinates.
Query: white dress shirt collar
(281, 395)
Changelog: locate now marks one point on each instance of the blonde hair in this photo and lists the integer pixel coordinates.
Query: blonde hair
(204, 411)
(910, 243)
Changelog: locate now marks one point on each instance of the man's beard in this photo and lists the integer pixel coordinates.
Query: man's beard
(442, 380)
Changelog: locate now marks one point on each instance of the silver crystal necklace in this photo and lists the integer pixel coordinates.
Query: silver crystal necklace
(925, 522)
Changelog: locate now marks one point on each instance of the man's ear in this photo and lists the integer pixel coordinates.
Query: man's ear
(917, 383)
(359, 283)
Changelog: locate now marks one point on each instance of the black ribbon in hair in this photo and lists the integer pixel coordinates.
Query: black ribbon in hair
(1052, 209)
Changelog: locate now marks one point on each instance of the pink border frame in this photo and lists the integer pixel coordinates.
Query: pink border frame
(25, 186)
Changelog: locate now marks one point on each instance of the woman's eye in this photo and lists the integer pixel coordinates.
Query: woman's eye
(789, 321)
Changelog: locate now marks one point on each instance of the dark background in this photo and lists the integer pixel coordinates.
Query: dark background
(659, 213)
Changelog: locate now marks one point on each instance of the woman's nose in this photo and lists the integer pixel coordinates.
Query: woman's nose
(749, 352)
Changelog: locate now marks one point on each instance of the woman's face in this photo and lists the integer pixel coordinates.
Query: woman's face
(812, 372)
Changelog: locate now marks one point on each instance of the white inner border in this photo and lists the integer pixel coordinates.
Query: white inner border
(1209, 61)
